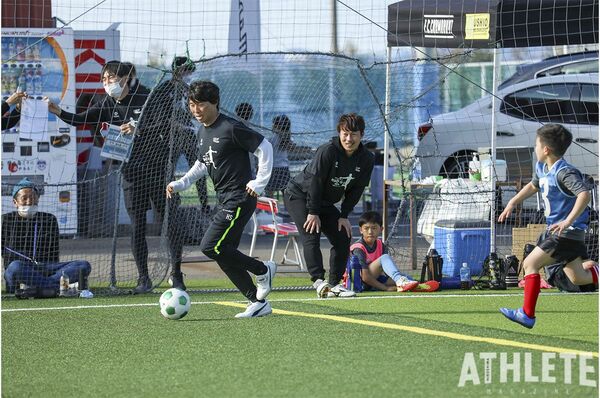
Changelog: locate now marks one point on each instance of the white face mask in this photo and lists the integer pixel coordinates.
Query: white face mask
(27, 211)
(114, 90)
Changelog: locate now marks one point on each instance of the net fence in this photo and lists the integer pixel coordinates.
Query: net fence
(437, 115)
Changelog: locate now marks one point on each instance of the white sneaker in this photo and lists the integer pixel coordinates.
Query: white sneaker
(406, 285)
(341, 291)
(264, 282)
(254, 310)
(323, 288)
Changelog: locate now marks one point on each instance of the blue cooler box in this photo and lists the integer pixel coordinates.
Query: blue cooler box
(464, 241)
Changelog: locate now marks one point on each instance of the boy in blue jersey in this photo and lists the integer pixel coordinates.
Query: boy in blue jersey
(566, 197)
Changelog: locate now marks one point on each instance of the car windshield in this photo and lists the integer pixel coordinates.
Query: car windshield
(577, 63)
(587, 66)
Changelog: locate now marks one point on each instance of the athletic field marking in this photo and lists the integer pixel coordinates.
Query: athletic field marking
(402, 296)
(418, 330)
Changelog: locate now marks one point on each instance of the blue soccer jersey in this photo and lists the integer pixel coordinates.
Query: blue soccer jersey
(558, 203)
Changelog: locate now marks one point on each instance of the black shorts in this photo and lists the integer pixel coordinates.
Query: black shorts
(562, 249)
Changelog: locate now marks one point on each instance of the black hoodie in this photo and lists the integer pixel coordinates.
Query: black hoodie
(333, 175)
(150, 153)
(110, 110)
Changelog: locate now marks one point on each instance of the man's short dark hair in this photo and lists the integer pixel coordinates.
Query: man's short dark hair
(118, 69)
(204, 91)
(282, 123)
(133, 71)
(182, 64)
(244, 111)
(556, 137)
(351, 122)
(372, 217)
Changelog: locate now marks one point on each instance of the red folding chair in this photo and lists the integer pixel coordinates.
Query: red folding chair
(278, 229)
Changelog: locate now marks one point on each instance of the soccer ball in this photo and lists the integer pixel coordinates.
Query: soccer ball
(174, 304)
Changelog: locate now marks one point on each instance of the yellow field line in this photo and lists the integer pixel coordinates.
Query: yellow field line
(430, 332)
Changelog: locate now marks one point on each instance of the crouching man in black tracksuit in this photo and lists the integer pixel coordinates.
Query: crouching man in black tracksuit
(340, 169)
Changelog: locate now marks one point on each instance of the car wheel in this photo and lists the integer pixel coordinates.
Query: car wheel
(457, 166)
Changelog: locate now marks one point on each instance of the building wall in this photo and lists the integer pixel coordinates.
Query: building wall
(27, 14)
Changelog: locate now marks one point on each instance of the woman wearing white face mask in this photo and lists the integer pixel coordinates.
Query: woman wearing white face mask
(144, 174)
(122, 104)
(30, 247)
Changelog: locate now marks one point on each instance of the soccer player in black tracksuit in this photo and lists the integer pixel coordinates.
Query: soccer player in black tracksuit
(144, 175)
(223, 145)
(340, 169)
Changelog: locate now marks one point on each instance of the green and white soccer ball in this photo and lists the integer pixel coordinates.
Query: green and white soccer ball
(174, 304)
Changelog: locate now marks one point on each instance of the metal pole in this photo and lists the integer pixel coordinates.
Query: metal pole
(334, 46)
(260, 92)
(386, 132)
(495, 103)
(334, 50)
(113, 258)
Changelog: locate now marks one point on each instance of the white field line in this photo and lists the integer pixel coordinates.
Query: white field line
(409, 297)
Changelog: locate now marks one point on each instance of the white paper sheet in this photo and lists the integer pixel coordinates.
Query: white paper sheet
(34, 120)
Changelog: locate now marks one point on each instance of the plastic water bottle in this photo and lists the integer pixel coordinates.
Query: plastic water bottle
(29, 85)
(22, 82)
(356, 280)
(4, 50)
(5, 81)
(416, 170)
(20, 50)
(11, 49)
(465, 277)
(37, 82)
(475, 169)
(64, 285)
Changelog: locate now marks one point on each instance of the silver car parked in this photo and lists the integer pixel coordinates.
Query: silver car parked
(447, 142)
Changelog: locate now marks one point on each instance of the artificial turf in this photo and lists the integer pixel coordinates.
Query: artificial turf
(131, 350)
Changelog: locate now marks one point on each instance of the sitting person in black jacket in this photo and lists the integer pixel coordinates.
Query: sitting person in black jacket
(30, 249)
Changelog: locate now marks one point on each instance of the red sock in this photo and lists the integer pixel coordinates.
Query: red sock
(532, 291)
(594, 271)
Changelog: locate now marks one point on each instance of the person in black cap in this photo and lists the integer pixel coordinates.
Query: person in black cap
(30, 248)
(244, 111)
(282, 143)
(173, 95)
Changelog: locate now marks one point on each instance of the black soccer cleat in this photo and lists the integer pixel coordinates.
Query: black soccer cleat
(176, 280)
(144, 285)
